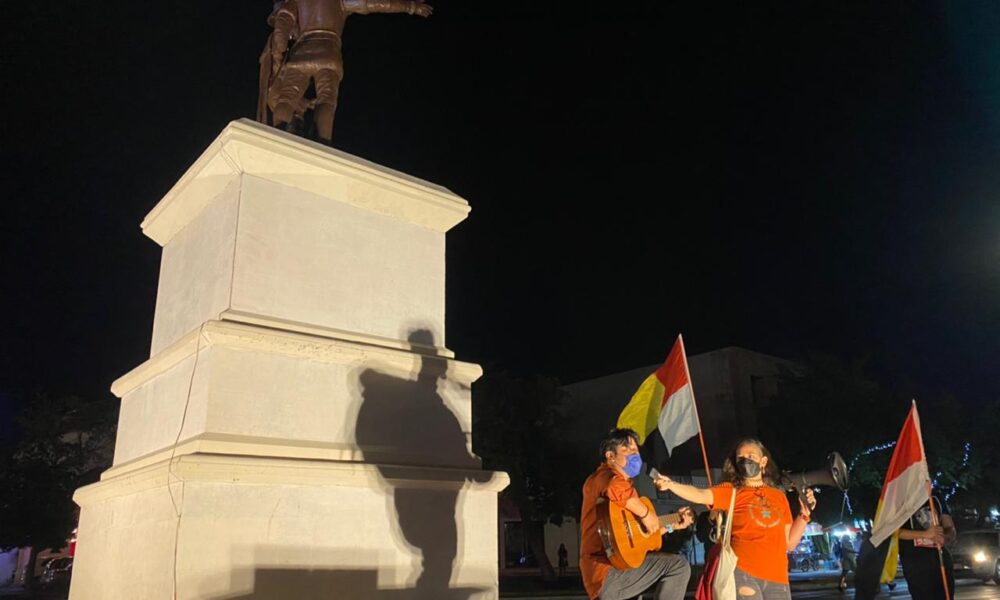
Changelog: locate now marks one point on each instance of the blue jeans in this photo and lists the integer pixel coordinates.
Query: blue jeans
(749, 587)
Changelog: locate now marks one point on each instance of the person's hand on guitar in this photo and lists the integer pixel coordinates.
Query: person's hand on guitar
(687, 518)
(651, 523)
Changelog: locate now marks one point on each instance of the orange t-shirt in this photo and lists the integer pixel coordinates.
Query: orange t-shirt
(759, 521)
(608, 483)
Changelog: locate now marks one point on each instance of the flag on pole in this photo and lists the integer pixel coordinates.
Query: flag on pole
(903, 493)
(905, 488)
(664, 401)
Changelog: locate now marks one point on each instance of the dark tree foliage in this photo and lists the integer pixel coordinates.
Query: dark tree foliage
(963, 452)
(64, 442)
(834, 405)
(517, 428)
(826, 406)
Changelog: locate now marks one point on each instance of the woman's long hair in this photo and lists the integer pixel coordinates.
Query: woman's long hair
(771, 475)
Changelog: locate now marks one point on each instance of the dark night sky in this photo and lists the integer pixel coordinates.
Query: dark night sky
(792, 178)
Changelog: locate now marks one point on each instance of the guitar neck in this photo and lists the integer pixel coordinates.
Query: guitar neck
(671, 519)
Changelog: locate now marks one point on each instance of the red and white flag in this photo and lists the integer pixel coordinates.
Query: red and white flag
(906, 483)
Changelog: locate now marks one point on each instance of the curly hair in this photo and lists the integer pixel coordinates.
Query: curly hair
(771, 474)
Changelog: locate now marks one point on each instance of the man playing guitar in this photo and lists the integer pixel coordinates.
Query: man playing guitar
(611, 482)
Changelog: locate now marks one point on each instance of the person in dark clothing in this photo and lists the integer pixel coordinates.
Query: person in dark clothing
(919, 540)
(563, 559)
(848, 560)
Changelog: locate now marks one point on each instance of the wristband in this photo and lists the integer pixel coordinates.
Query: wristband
(670, 528)
(645, 515)
(804, 517)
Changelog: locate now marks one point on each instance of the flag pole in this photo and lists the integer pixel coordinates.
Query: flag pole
(930, 501)
(701, 438)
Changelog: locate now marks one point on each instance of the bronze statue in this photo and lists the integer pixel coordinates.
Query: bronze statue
(304, 48)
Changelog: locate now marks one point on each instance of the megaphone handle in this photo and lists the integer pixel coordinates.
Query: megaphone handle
(788, 480)
(801, 491)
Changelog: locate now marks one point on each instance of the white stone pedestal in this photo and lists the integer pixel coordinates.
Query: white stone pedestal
(300, 429)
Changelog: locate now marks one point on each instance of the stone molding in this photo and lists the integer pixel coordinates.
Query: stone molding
(329, 332)
(208, 468)
(247, 147)
(244, 445)
(263, 339)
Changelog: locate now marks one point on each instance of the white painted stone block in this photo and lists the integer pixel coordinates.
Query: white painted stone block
(196, 270)
(295, 395)
(237, 527)
(305, 258)
(273, 227)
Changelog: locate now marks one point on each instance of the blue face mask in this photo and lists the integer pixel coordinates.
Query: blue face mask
(634, 465)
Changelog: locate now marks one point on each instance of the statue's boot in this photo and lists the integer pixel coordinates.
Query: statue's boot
(283, 115)
(323, 118)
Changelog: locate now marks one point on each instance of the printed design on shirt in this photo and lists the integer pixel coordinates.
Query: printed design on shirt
(922, 518)
(762, 512)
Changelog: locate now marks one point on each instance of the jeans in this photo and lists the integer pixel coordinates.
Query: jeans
(670, 571)
(749, 587)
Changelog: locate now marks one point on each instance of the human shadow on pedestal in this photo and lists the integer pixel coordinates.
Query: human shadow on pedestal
(329, 584)
(403, 422)
(409, 421)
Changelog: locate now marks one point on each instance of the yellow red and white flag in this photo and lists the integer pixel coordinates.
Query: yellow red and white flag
(664, 401)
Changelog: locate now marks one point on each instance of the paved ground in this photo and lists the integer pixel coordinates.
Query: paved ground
(804, 587)
(16, 592)
(965, 589)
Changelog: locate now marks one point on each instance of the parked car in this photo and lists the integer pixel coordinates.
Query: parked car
(977, 554)
(57, 572)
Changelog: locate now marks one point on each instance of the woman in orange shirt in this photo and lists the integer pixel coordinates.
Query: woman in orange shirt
(763, 529)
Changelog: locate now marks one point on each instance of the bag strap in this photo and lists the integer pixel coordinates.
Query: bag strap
(727, 536)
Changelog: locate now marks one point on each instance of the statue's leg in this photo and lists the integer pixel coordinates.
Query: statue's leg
(288, 94)
(327, 90)
(283, 114)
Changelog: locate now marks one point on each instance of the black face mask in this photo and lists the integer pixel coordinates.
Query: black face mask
(747, 467)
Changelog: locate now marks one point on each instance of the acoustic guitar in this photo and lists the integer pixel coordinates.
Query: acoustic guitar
(625, 540)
